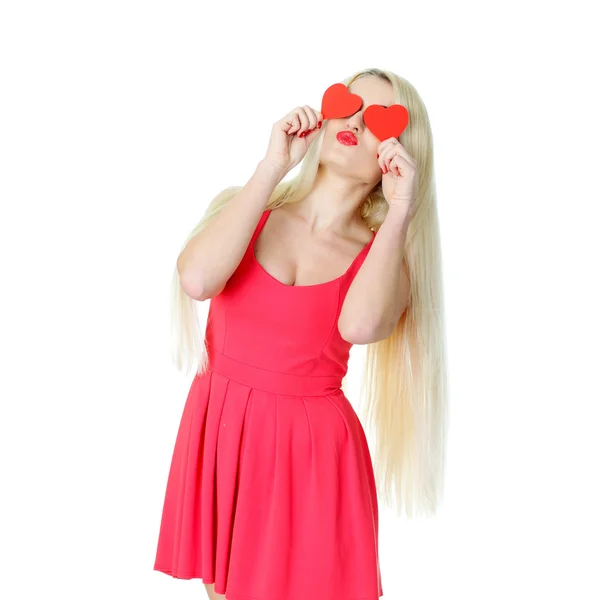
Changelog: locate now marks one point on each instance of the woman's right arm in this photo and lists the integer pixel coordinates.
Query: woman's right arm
(211, 257)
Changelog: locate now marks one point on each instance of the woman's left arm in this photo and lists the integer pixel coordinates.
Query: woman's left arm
(379, 292)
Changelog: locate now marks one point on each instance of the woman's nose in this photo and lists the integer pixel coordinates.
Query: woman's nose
(356, 120)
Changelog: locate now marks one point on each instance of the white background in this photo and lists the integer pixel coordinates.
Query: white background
(120, 121)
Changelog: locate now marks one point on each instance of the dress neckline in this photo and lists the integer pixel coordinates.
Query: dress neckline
(313, 285)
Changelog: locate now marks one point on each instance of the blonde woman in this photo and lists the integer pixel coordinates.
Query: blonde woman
(272, 494)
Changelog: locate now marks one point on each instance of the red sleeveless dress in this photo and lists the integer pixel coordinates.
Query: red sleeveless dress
(271, 492)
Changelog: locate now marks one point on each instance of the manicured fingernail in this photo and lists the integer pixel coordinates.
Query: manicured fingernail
(319, 124)
(378, 156)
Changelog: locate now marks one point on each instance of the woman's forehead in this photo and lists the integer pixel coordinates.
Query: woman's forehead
(372, 91)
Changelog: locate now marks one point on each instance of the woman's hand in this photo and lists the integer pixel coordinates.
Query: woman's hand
(399, 174)
(291, 136)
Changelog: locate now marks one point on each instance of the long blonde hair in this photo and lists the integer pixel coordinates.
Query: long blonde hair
(405, 384)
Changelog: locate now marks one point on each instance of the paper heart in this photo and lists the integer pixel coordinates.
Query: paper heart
(385, 122)
(338, 102)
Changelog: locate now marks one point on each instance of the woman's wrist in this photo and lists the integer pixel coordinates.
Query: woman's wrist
(270, 169)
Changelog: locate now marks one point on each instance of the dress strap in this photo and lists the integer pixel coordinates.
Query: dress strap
(358, 261)
(260, 225)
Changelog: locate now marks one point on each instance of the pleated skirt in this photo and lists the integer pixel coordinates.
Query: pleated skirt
(270, 496)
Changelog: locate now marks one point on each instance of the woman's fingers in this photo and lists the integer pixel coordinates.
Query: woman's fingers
(302, 120)
(393, 166)
(312, 120)
(305, 118)
(312, 117)
(390, 148)
(294, 123)
(299, 121)
(386, 151)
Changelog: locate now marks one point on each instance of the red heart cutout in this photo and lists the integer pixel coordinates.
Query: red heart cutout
(385, 122)
(338, 102)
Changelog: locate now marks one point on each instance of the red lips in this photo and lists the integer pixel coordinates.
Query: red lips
(347, 138)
